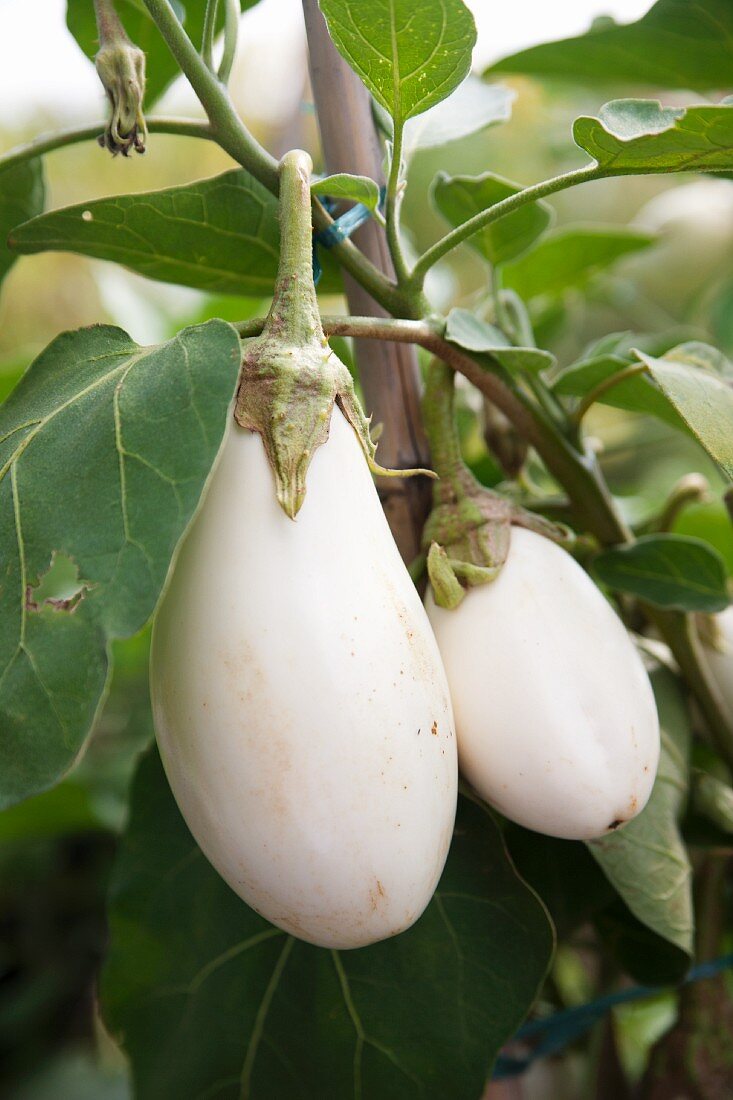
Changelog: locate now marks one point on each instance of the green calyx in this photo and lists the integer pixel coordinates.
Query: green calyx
(468, 532)
(290, 378)
(121, 68)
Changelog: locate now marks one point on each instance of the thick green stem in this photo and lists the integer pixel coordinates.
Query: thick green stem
(440, 422)
(109, 26)
(294, 314)
(47, 143)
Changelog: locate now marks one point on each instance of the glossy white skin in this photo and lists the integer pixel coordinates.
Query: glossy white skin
(721, 661)
(300, 703)
(555, 716)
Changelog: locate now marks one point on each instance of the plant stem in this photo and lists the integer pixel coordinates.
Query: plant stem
(46, 143)
(606, 384)
(108, 21)
(207, 38)
(230, 132)
(392, 208)
(231, 33)
(499, 210)
(233, 136)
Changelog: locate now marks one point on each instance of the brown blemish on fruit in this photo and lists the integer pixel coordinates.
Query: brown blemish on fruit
(434, 729)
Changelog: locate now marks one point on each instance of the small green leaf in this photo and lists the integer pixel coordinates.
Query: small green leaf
(646, 860)
(459, 198)
(352, 188)
(105, 447)
(672, 571)
(675, 45)
(22, 196)
(639, 135)
(638, 393)
(703, 400)
(410, 56)
(472, 334)
(220, 234)
(471, 108)
(161, 66)
(569, 257)
(209, 999)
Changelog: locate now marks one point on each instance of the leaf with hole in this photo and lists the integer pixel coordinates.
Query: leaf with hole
(220, 234)
(641, 136)
(671, 571)
(207, 997)
(105, 447)
(459, 198)
(410, 56)
(676, 44)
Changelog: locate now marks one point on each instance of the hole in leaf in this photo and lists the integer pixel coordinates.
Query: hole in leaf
(59, 587)
(87, 216)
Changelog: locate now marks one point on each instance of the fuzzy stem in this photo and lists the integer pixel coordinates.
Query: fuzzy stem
(440, 422)
(294, 313)
(392, 208)
(607, 384)
(109, 26)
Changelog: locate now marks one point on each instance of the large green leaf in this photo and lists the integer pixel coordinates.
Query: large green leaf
(459, 198)
(702, 399)
(646, 860)
(210, 1000)
(161, 67)
(105, 447)
(672, 571)
(569, 257)
(677, 44)
(410, 56)
(22, 195)
(220, 234)
(641, 136)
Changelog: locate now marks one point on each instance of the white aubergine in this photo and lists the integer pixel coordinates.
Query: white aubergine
(555, 716)
(301, 707)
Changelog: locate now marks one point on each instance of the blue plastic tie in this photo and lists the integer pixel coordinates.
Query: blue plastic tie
(341, 230)
(562, 1028)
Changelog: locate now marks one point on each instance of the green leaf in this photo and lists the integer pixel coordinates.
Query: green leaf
(703, 401)
(672, 571)
(22, 196)
(638, 393)
(639, 135)
(410, 56)
(459, 198)
(353, 188)
(161, 66)
(220, 234)
(675, 45)
(209, 999)
(471, 108)
(646, 860)
(567, 258)
(472, 334)
(105, 447)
